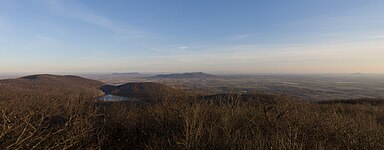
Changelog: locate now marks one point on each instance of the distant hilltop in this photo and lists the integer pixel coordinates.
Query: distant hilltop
(186, 75)
(126, 73)
(130, 74)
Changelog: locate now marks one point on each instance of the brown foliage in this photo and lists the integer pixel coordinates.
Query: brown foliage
(65, 119)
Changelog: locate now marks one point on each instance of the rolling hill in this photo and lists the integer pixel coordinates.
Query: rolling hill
(51, 84)
(61, 85)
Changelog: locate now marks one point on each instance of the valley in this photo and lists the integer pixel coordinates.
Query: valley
(315, 87)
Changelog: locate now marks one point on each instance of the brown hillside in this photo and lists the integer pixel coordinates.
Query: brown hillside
(49, 84)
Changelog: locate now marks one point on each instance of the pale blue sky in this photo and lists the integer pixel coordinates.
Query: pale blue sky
(239, 36)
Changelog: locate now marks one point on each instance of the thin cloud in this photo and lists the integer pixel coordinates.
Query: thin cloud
(76, 10)
(241, 37)
(376, 37)
(183, 47)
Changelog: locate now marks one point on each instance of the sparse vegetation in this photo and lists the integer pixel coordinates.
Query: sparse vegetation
(74, 119)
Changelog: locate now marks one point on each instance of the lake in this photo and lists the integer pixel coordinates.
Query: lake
(110, 97)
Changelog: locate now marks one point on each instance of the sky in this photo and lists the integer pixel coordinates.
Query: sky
(216, 36)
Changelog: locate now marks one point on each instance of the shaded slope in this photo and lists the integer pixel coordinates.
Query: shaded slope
(237, 98)
(360, 101)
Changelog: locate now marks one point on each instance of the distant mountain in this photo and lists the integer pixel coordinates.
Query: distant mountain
(186, 75)
(129, 75)
(146, 91)
(125, 73)
(358, 74)
(51, 84)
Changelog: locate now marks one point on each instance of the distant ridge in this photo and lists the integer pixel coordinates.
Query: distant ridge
(126, 73)
(59, 77)
(186, 75)
(130, 74)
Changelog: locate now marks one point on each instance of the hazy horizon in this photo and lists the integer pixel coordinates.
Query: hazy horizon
(224, 73)
(231, 37)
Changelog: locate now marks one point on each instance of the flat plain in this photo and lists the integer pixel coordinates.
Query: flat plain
(307, 87)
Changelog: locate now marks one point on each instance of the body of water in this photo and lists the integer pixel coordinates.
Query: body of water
(110, 97)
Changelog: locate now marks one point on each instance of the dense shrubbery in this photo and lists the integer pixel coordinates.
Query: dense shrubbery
(70, 121)
(59, 114)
